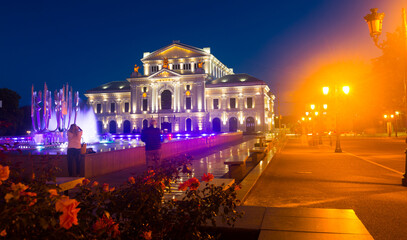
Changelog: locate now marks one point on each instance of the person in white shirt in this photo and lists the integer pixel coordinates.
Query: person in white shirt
(74, 150)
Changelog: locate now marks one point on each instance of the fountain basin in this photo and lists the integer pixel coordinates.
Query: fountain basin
(96, 164)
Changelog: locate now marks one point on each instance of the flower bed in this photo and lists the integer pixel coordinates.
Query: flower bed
(32, 209)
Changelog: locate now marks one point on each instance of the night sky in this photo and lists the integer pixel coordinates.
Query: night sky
(89, 43)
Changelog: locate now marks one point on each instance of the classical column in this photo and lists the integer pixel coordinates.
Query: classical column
(152, 98)
(146, 69)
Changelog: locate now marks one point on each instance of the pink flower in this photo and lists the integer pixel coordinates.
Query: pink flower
(183, 186)
(108, 225)
(69, 211)
(192, 184)
(4, 173)
(105, 187)
(147, 235)
(132, 180)
(207, 177)
(53, 192)
(237, 187)
(85, 181)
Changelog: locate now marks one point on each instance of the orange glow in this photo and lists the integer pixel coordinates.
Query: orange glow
(325, 106)
(312, 106)
(188, 93)
(385, 116)
(144, 95)
(346, 89)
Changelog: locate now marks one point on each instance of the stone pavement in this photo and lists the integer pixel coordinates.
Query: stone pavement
(288, 217)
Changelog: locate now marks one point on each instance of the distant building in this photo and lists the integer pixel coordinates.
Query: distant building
(187, 89)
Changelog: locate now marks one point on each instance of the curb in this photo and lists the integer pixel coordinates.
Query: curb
(251, 178)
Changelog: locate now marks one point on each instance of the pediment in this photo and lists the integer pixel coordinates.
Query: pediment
(175, 51)
(165, 73)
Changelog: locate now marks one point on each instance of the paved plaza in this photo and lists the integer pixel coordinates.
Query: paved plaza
(366, 178)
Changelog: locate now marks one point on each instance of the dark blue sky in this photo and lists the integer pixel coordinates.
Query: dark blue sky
(88, 43)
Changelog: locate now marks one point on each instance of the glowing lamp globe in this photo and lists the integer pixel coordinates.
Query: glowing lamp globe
(374, 21)
(325, 90)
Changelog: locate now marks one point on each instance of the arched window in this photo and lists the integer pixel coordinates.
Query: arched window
(188, 127)
(126, 126)
(216, 125)
(145, 123)
(166, 100)
(99, 126)
(250, 124)
(232, 124)
(112, 126)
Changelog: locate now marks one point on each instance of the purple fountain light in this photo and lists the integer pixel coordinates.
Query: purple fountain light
(51, 119)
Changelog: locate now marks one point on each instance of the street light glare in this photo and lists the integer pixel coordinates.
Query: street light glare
(325, 90)
(312, 106)
(325, 106)
(346, 89)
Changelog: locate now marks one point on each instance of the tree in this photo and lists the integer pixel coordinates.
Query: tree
(10, 114)
(388, 71)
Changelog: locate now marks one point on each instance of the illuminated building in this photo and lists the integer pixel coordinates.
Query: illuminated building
(187, 89)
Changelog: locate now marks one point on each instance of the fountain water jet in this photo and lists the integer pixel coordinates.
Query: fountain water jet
(51, 121)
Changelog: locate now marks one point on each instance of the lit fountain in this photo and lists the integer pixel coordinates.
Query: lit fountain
(52, 119)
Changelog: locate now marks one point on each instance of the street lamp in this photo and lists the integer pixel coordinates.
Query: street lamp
(375, 22)
(345, 90)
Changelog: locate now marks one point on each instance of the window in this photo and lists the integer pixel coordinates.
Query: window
(195, 65)
(187, 66)
(112, 107)
(176, 67)
(188, 103)
(144, 89)
(98, 108)
(249, 102)
(144, 104)
(233, 103)
(126, 107)
(188, 87)
(166, 99)
(154, 68)
(215, 103)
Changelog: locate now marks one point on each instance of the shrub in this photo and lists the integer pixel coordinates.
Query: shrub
(141, 208)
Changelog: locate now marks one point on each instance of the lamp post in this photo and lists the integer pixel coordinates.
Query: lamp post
(318, 113)
(389, 126)
(345, 90)
(375, 22)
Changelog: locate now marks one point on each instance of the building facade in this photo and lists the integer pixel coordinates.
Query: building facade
(186, 89)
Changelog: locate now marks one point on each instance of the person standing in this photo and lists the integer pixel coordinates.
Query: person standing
(151, 136)
(74, 150)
